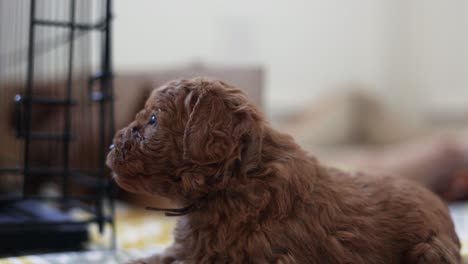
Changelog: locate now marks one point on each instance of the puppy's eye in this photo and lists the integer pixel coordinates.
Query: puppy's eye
(153, 120)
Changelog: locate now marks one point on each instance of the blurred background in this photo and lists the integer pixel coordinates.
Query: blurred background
(379, 86)
(363, 84)
(398, 50)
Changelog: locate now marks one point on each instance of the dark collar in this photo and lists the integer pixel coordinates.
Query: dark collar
(181, 211)
(199, 202)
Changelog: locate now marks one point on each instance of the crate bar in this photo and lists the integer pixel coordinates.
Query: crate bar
(46, 136)
(47, 171)
(44, 100)
(79, 26)
(32, 224)
(68, 95)
(12, 198)
(107, 102)
(29, 85)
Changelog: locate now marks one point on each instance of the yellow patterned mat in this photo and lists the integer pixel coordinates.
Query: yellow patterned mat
(136, 228)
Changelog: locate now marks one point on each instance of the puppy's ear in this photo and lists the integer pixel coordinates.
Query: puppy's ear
(215, 127)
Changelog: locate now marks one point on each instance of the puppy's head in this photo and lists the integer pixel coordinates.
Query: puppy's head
(186, 140)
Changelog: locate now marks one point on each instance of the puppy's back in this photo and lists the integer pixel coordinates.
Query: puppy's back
(403, 214)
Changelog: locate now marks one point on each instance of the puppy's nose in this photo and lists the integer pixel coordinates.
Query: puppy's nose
(135, 129)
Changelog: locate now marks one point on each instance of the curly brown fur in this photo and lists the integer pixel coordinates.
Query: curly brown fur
(264, 200)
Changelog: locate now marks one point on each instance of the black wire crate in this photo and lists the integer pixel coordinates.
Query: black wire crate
(56, 119)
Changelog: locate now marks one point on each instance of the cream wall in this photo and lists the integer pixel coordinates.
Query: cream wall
(305, 46)
(428, 72)
(413, 53)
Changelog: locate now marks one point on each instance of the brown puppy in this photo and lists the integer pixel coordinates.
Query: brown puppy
(253, 196)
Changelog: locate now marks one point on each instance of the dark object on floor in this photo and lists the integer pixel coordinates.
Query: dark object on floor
(32, 225)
